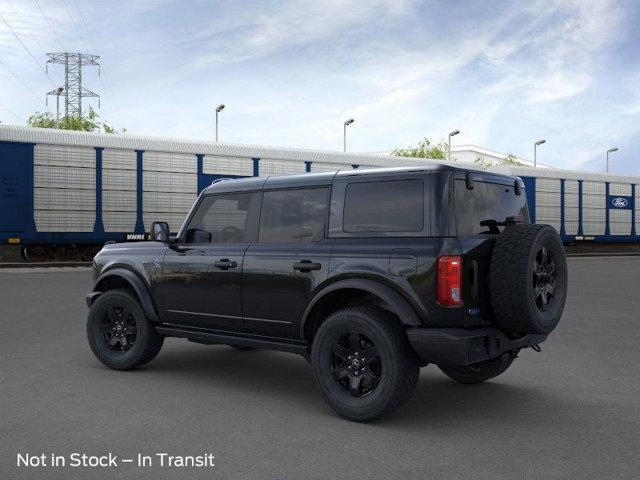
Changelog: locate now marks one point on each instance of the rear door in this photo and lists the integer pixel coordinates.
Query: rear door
(482, 208)
(289, 260)
(13, 186)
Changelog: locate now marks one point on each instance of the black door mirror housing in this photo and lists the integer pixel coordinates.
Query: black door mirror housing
(160, 232)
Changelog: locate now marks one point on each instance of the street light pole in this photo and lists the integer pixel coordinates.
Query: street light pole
(219, 108)
(535, 152)
(59, 90)
(611, 150)
(451, 134)
(344, 136)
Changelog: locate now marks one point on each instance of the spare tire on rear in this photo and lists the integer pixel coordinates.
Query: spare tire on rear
(528, 279)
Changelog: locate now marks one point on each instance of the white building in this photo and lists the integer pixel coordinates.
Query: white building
(470, 153)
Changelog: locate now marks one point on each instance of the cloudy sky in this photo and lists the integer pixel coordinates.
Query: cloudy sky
(504, 73)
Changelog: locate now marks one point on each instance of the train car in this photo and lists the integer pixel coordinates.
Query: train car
(581, 206)
(63, 194)
(66, 193)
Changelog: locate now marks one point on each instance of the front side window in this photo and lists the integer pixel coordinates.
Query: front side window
(220, 219)
(387, 206)
(296, 216)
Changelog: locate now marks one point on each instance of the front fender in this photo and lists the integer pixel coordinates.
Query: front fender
(131, 278)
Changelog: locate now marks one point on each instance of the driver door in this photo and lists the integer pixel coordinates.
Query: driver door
(202, 271)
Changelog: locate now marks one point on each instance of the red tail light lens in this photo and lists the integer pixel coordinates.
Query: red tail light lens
(449, 281)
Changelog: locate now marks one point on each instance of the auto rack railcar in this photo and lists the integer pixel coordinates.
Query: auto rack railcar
(65, 193)
(582, 206)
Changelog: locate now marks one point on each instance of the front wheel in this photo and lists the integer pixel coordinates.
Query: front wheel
(480, 372)
(119, 334)
(363, 363)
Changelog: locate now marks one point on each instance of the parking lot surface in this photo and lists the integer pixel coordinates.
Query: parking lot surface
(572, 411)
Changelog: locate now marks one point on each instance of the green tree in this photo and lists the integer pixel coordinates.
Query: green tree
(87, 123)
(425, 149)
(485, 163)
(510, 159)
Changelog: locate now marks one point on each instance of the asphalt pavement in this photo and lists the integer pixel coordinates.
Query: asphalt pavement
(572, 411)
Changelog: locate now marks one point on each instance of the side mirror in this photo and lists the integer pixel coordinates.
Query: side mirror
(468, 180)
(160, 232)
(518, 186)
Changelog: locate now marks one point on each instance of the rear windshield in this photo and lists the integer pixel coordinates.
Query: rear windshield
(487, 204)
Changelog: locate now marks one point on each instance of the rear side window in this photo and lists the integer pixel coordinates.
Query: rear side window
(486, 203)
(293, 216)
(388, 206)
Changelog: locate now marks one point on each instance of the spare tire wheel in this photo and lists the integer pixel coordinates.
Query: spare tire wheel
(528, 279)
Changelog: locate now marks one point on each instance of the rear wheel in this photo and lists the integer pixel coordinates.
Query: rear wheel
(363, 363)
(119, 334)
(479, 372)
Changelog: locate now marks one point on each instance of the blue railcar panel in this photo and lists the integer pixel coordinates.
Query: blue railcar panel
(17, 200)
(530, 192)
(633, 211)
(14, 186)
(580, 229)
(139, 193)
(621, 202)
(563, 231)
(99, 226)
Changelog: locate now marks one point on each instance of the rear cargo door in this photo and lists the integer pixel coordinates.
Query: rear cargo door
(13, 186)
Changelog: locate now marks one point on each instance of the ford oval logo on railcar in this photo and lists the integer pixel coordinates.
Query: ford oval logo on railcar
(619, 202)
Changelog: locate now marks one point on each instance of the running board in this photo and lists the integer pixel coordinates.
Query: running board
(225, 338)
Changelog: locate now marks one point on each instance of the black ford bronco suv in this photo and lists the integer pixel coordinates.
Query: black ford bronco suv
(369, 274)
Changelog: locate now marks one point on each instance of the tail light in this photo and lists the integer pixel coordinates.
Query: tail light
(449, 281)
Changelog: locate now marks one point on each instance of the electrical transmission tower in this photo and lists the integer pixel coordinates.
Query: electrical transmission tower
(73, 91)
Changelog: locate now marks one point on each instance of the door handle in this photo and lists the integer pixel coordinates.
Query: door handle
(225, 264)
(306, 266)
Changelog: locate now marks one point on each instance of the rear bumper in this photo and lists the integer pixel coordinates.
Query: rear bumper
(458, 347)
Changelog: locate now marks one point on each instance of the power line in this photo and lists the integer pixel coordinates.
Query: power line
(27, 49)
(75, 27)
(50, 26)
(84, 23)
(24, 25)
(21, 81)
(12, 113)
(111, 98)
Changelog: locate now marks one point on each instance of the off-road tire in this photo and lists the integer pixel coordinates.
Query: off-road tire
(513, 273)
(398, 363)
(479, 372)
(148, 341)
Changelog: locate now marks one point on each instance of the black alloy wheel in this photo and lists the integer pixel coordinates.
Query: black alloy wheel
(119, 329)
(356, 364)
(528, 279)
(119, 333)
(544, 279)
(363, 362)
